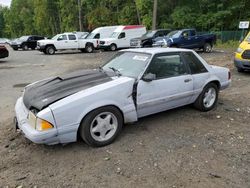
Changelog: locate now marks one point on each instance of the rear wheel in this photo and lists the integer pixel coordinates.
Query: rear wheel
(208, 98)
(101, 126)
(113, 47)
(89, 48)
(207, 48)
(50, 50)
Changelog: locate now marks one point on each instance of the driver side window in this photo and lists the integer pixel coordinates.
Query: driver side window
(167, 65)
(62, 37)
(122, 35)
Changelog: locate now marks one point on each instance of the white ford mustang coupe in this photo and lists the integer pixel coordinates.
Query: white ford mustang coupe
(95, 104)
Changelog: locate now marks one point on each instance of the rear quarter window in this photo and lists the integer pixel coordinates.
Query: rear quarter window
(195, 65)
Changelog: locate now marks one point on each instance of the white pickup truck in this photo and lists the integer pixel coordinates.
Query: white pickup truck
(66, 41)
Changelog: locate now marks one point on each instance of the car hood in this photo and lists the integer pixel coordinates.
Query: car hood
(45, 41)
(108, 39)
(245, 45)
(39, 95)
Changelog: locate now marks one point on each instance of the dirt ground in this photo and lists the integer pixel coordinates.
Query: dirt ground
(177, 148)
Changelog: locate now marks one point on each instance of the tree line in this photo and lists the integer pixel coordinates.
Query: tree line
(49, 17)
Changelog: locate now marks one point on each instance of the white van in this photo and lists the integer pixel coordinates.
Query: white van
(121, 37)
(102, 32)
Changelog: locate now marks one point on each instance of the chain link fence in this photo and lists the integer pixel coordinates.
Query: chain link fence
(225, 36)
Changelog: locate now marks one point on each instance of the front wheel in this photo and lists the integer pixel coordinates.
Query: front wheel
(50, 50)
(25, 47)
(240, 69)
(207, 48)
(101, 126)
(208, 98)
(113, 47)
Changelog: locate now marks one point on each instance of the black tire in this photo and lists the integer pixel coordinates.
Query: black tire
(200, 104)
(207, 48)
(25, 47)
(89, 120)
(240, 69)
(15, 49)
(89, 48)
(113, 47)
(50, 50)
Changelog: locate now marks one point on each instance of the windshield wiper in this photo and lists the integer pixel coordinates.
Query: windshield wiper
(116, 71)
(100, 69)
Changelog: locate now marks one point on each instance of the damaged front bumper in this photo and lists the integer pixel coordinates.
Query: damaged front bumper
(22, 122)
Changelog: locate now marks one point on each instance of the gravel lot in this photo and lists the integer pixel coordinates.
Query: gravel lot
(177, 148)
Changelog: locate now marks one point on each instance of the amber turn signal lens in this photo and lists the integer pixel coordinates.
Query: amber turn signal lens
(42, 125)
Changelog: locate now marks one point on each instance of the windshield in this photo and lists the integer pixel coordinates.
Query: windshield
(174, 34)
(248, 38)
(55, 37)
(24, 38)
(129, 64)
(91, 36)
(114, 35)
(149, 34)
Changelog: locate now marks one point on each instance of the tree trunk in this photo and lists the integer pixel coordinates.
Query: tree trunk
(138, 14)
(154, 15)
(80, 15)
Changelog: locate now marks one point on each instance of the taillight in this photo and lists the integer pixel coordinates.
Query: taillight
(229, 75)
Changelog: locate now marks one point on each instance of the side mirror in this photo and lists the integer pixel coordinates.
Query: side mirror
(149, 77)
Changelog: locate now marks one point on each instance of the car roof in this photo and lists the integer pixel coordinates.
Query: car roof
(156, 50)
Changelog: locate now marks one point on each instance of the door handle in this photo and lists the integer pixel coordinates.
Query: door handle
(187, 80)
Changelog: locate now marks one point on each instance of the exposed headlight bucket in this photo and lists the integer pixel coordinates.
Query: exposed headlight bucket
(239, 50)
(42, 125)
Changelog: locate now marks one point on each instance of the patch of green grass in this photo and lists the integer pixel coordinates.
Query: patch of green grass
(229, 45)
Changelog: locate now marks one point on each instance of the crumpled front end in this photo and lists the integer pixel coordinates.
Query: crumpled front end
(26, 121)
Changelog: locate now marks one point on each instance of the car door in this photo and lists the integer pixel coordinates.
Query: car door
(31, 42)
(200, 74)
(61, 42)
(187, 40)
(172, 86)
(122, 40)
(72, 42)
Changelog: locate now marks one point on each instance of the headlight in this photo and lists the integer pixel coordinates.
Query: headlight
(239, 50)
(42, 125)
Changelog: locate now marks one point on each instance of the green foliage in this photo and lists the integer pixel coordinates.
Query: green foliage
(229, 45)
(49, 17)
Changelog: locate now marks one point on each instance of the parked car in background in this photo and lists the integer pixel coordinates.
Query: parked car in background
(187, 38)
(146, 40)
(66, 41)
(3, 52)
(26, 42)
(121, 37)
(242, 55)
(4, 41)
(81, 35)
(100, 33)
(94, 104)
